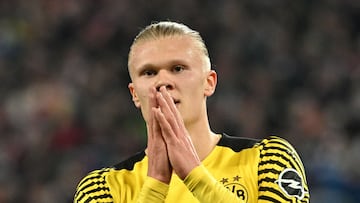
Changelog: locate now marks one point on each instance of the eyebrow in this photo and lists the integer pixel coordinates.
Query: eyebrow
(147, 66)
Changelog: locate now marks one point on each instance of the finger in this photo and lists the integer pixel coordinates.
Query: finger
(152, 98)
(166, 124)
(166, 129)
(149, 126)
(166, 110)
(152, 103)
(155, 124)
(170, 102)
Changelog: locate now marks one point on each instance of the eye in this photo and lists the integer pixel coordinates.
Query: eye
(178, 68)
(148, 72)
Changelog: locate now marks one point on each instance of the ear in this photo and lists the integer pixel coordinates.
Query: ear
(135, 98)
(211, 81)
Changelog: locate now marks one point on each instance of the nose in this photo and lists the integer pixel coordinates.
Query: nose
(163, 79)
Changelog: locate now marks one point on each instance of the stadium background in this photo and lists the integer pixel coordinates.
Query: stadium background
(290, 68)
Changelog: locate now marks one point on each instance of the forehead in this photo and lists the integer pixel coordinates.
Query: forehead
(153, 51)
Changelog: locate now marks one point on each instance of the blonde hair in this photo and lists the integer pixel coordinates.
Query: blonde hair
(167, 29)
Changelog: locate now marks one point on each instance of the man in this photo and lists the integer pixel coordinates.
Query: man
(185, 161)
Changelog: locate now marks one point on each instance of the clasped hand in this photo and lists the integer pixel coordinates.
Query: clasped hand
(169, 146)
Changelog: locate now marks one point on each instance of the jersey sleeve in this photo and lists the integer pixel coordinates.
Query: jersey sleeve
(206, 189)
(281, 174)
(153, 191)
(93, 188)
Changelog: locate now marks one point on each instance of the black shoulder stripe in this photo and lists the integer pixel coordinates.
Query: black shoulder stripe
(292, 162)
(90, 184)
(236, 143)
(270, 199)
(104, 196)
(267, 179)
(80, 198)
(93, 178)
(268, 154)
(286, 148)
(274, 191)
(90, 178)
(273, 162)
(98, 189)
(268, 170)
(129, 163)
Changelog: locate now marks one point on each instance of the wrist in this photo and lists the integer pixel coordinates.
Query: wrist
(164, 178)
(186, 171)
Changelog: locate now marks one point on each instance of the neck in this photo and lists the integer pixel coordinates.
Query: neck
(204, 140)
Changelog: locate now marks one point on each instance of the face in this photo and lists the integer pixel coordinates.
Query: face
(177, 63)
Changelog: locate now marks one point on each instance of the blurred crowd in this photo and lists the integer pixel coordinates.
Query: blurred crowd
(290, 68)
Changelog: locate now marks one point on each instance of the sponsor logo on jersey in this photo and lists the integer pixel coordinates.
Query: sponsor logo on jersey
(233, 184)
(291, 183)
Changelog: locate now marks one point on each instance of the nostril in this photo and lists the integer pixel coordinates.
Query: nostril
(168, 87)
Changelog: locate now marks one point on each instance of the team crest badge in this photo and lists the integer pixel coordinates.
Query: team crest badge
(233, 184)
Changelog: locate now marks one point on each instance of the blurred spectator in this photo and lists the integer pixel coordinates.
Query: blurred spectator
(291, 68)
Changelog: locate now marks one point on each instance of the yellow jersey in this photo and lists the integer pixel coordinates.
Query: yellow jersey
(237, 170)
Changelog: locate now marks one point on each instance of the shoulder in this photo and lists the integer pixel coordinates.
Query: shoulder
(93, 187)
(96, 185)
(281, 172)
(277, 148)
(275, 141)
(277, 153)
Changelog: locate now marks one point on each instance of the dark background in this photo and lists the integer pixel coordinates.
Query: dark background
(290, 68)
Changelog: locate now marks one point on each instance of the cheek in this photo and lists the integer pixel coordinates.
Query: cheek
(142, 95)
(195, 85)
(139, 93)
(143, 98)
(195, 90)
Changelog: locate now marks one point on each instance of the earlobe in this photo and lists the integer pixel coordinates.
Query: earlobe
(135, 98)
(211, 82)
